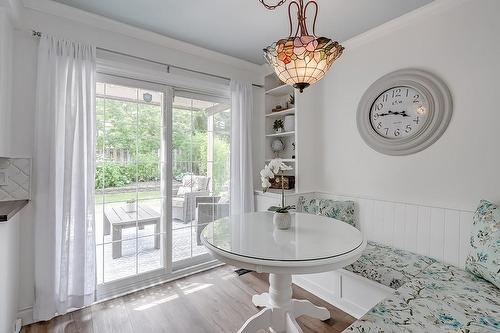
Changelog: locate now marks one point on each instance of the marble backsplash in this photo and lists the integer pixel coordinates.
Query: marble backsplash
(15, 178)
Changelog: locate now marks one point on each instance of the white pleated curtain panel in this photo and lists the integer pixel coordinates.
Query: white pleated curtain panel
(242, 198)
(63, 160)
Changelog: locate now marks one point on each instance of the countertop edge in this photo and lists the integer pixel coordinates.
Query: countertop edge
(10, 208)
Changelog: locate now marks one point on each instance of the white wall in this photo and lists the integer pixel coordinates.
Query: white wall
(6, 32)
(456, 40)
(309, 143)
(106, 34)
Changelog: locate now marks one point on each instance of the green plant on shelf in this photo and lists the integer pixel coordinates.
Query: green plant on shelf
(278, 125)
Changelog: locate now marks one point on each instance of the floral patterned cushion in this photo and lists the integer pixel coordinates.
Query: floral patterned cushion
(341, 210)
(441, 299)
(389, 266)
(484, 256)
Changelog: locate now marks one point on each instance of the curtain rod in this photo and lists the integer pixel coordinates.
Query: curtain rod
(38, 34)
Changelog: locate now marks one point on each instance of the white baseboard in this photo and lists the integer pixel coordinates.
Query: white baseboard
(19, 325)
(26, 315)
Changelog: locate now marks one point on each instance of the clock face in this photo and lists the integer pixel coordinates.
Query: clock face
(399, 112)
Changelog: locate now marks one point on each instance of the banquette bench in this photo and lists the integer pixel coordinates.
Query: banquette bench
(402, 291)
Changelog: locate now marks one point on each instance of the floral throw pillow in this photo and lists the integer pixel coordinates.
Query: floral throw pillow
(341, 210)
(309, 206)
(484, 255)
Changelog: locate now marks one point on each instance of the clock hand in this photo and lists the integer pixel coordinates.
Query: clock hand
(396, 113)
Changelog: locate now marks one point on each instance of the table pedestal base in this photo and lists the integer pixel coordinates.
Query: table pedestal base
(280, 309)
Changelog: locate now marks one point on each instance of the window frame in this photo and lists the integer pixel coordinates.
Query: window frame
(170, 270)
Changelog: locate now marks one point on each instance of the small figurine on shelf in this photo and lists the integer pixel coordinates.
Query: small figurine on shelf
(278, 125)
(277, 108)
(277, 146)
(293, 148)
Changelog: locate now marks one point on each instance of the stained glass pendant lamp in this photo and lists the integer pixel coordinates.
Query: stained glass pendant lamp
(301, 59)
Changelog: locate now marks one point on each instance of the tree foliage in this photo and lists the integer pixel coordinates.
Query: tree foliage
(136, 129)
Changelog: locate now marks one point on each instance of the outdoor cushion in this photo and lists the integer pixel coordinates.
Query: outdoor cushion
(441, 299)
(183, 190)
(188, 180)
(341, 210)
(200, 183)
(177, 202)
(483, 259)
(389, 266)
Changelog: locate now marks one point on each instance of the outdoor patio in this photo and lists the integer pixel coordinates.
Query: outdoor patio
(139, 254)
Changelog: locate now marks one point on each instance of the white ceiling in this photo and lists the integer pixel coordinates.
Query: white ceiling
(241, 28)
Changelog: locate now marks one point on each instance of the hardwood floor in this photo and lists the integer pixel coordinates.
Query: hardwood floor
(214, 301)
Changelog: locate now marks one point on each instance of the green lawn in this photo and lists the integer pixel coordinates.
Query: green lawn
(118, 197)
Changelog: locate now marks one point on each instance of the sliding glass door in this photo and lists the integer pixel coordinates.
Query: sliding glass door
(200, 170)
(162, 173)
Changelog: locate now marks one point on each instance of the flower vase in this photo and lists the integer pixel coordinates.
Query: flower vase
(282, 221)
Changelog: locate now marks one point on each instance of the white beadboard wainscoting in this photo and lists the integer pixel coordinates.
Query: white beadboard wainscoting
(440, 233)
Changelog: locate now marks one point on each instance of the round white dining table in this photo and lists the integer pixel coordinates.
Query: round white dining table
(313, 244)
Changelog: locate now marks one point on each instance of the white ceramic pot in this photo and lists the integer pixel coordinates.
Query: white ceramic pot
(282, 221)
(289, 123)
(130, 207)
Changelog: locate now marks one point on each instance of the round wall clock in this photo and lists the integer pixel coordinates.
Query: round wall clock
(404, 112)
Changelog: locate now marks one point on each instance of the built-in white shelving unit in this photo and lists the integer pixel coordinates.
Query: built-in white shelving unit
(276, 93)
(276, 135)
(283, 113)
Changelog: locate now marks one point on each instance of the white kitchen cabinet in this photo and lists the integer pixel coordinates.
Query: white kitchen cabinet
(9, 261)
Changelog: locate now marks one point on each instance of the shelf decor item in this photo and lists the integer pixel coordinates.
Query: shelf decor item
(278, 126)
(277, 108)
(289, 123)
(286, 182)
(282, 218)
(301, 59)
(277, 146)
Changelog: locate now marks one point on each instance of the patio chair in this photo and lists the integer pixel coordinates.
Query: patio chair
(209, 209)
(184, 203)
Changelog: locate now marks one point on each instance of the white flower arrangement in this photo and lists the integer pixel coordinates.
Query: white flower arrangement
(274, 168)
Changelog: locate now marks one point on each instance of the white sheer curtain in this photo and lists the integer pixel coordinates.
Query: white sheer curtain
(64, 177)
(241, 148)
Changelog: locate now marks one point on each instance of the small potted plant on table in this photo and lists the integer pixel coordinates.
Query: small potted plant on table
(276, 168)
(130, 206)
